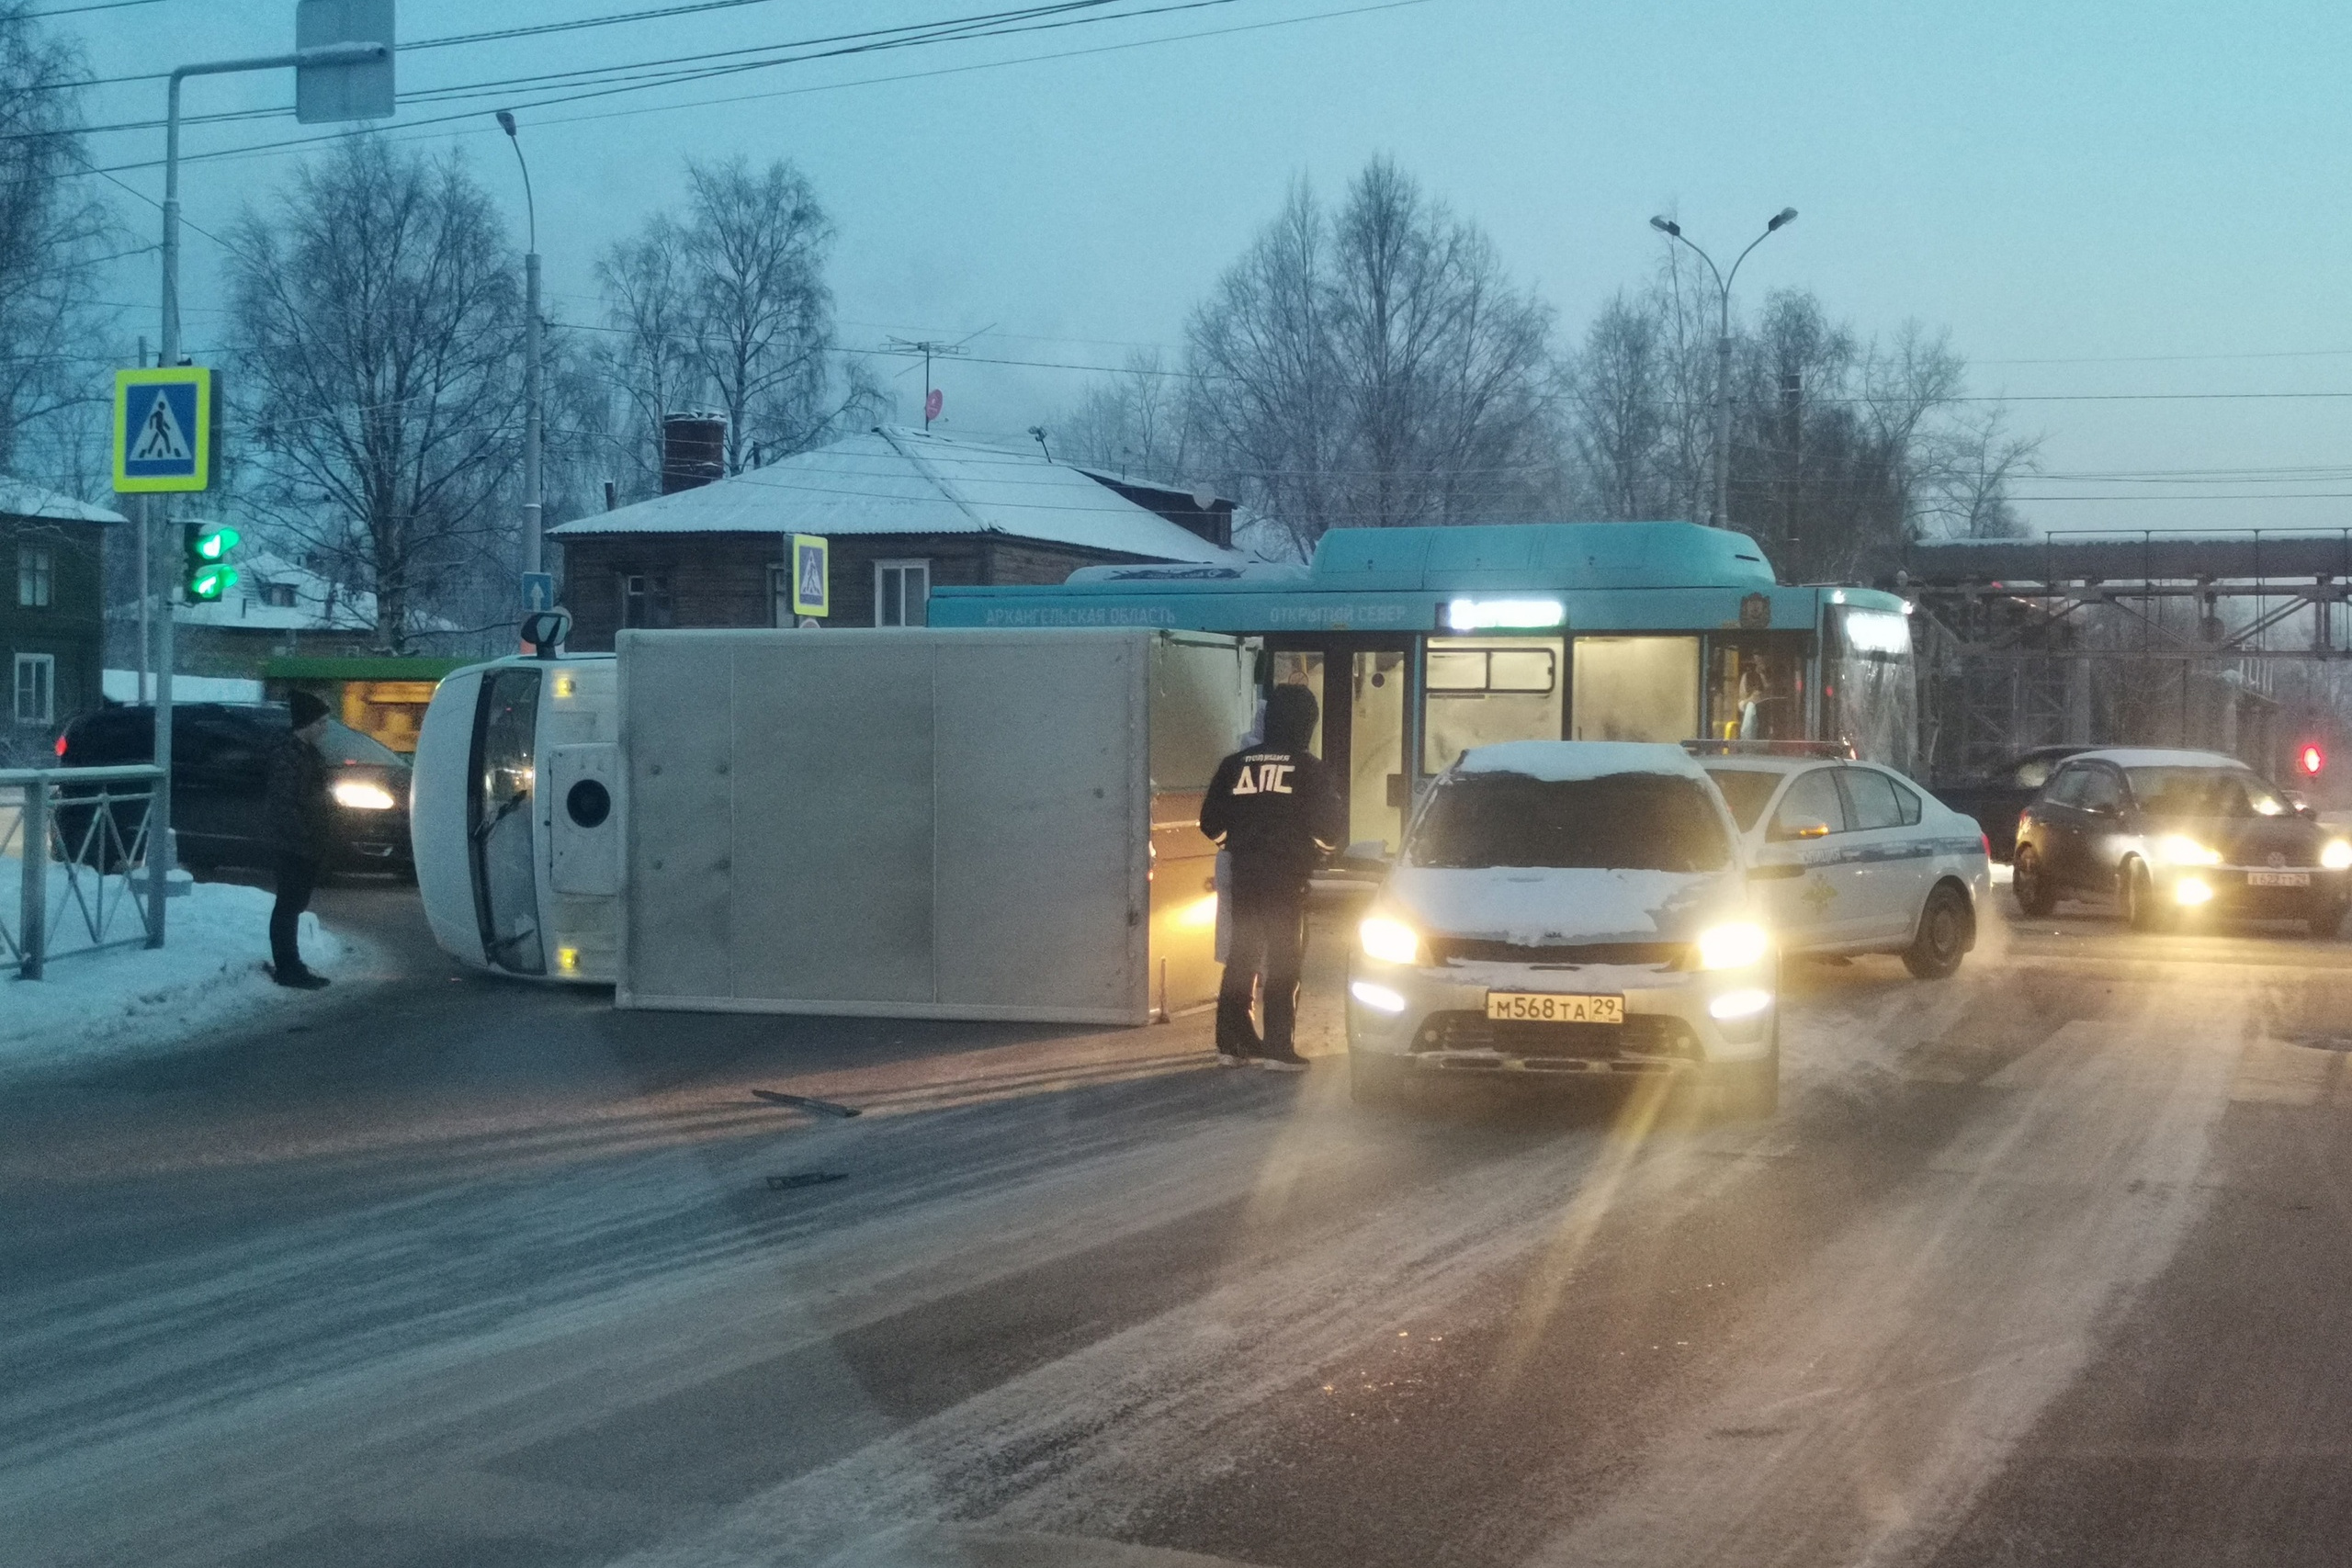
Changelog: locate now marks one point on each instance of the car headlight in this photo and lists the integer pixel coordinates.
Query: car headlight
(1734, 946)
(1391, 942)
(2337, 856)
(359, 795)
(1380, 998)
(2179, 849)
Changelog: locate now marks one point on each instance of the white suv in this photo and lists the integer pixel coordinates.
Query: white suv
(1568, 907)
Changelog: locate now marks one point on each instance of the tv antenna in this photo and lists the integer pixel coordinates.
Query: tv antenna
(929, 348)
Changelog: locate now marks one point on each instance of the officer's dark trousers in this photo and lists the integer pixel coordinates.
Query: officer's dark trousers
(1269, 946)
(297, 874)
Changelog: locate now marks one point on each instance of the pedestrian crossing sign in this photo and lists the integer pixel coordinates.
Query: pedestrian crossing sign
(813, 582)
(163, 430)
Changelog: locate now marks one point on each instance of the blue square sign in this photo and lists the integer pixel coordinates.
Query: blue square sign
(162, 433)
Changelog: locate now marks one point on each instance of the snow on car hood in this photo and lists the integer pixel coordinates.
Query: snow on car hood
(1545, 906)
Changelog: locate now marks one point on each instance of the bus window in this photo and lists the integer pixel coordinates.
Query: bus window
(1485, 689)
(1867, 691)
(1376, 793)
(1756, 690)
(1635, 688)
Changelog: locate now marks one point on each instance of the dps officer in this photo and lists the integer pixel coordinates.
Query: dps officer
(295, 813)
(1274, 808)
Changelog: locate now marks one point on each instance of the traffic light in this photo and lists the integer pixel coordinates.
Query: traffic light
(209, 574)
(2310, 756)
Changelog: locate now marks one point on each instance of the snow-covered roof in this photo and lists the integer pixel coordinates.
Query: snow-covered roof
(1559, 761)
(894, 480)
(19, 498)
(319, 605)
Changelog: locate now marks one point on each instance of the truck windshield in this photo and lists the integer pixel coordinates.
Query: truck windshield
(1619, 821)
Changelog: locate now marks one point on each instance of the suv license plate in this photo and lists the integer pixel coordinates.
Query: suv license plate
(1545, 1007)
(2278, 879)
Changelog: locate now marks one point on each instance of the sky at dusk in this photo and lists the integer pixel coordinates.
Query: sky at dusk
(2118, 210)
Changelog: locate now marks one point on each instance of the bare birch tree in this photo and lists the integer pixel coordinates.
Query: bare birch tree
(51, 228)
(378, 319)
(1137, 423)
(1372, 367)
(726, 308)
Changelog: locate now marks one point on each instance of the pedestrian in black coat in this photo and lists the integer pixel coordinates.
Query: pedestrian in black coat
(300, 827)
(1276, 810)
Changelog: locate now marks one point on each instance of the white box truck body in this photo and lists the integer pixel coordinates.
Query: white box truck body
(897, 822)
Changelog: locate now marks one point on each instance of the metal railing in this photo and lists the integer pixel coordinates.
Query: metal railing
(79, 834)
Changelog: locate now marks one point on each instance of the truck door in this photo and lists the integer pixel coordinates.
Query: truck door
(499, 811)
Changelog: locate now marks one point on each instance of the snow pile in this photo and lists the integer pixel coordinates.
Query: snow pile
(208, 973)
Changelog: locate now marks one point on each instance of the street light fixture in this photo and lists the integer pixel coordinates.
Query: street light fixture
(1720, 514)
(533, 413)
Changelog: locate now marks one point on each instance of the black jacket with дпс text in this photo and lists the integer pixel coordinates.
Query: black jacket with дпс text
(1272, 806)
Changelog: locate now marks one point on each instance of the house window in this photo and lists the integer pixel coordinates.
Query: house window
(645, 599)
(278, 595)
(35, 576)
(36, 688)
(902, 594)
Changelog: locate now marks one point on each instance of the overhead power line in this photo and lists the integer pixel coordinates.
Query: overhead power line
(666, 70)
(270, 149)
(96, 6)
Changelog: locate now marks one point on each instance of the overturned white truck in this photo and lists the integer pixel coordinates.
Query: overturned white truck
(904, 822)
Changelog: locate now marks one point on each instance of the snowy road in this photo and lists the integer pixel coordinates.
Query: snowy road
(2042, 1264)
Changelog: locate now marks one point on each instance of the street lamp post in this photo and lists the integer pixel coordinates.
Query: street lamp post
(533, 402)
(1720, 514)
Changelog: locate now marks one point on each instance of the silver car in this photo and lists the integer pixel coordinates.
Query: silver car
(1568, 907)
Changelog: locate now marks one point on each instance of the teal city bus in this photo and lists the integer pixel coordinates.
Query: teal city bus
(1419, 643)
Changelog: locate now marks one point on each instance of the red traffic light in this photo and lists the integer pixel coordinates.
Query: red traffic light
(2310, 756)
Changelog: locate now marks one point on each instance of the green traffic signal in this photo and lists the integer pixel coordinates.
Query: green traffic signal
(207, 546)
(212, 582)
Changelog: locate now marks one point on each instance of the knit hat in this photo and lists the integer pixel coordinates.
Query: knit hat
(306, 708)
(1291, 713)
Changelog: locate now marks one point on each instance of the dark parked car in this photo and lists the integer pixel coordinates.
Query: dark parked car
(220, 774)
(2180, 835)
(1995, 798)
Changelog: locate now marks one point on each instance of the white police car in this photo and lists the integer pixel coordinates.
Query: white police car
(1568, 907)
(1849, 857)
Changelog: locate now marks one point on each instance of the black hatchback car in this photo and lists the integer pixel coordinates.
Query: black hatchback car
(1995, 798)
(221, 778)
(2175, 835)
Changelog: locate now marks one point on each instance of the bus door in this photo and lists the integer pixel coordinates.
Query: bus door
(1756, 687)
(1358, 687)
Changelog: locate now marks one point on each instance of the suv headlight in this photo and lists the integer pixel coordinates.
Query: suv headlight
(1390, 941)
(361, 795)
(2179, 849)
(1733, 946)
(2337, 856)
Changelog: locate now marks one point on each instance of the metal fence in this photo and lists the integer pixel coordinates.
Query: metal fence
(78, 839)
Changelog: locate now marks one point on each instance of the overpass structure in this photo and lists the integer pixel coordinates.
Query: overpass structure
(2146, 636)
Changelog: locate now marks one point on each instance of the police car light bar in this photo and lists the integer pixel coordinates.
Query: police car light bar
(1491, 614)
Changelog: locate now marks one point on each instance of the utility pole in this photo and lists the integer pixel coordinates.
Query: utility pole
(332, 83)
(146, 566)
(1720, 515)
(534, 404)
